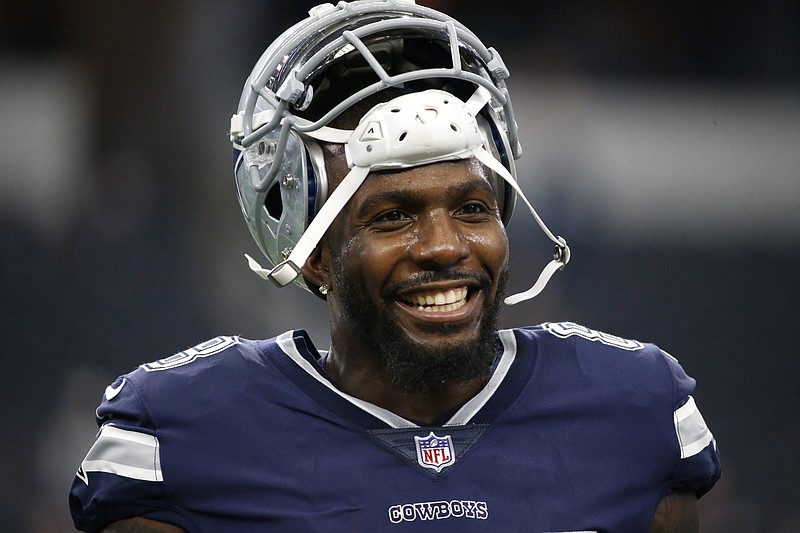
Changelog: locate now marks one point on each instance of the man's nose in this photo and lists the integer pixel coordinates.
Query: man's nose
(439, 241)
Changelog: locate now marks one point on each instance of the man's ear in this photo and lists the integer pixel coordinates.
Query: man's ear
(315, 271)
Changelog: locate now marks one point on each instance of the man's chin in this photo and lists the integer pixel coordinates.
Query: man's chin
(423, 352)
(441, 336)
(428, 364)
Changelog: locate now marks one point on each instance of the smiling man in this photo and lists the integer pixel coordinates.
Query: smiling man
(416, 266)
(375, 145)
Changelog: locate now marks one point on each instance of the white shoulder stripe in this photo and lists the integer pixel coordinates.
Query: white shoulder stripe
(125, 453)
(693, 434)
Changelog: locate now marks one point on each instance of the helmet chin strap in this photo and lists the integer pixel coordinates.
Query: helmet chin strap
(286, 271)
(433, 126)
(561, 253)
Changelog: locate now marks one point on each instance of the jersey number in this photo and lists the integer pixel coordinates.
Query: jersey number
(568, 329)
(214, 346)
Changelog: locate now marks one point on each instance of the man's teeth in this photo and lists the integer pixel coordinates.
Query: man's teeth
(440, 301)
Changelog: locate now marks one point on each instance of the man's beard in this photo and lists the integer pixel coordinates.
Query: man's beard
(419, 368)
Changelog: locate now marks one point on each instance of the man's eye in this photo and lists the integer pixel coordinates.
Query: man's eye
(391, 216)
(473, 208)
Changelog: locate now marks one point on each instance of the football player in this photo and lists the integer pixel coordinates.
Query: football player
(375, 144)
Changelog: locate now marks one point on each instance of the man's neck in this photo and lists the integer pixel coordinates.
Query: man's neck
(367, 380)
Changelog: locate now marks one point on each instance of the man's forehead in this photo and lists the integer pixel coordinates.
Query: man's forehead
(464, 170)
(337, 170)
(438, 182)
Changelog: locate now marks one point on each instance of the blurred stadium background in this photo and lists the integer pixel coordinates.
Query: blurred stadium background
(662, 139)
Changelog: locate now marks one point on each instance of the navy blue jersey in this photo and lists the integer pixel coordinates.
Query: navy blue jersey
(576, 430)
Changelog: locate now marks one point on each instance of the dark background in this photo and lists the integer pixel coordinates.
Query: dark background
(661, 139)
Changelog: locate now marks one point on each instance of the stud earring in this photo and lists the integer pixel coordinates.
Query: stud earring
(323, 289)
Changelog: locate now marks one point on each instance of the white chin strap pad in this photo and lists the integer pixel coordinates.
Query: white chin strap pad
(411, 130)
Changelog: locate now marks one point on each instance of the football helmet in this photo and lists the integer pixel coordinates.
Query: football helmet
(339, 56)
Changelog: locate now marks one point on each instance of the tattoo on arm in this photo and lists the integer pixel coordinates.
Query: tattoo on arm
(141, 525)
(677, 513)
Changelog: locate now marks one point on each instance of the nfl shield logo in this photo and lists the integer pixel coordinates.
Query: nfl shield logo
(435, 452)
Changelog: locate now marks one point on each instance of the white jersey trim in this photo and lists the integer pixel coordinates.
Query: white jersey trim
(692, 431)
(125, 453)
(286, 343)
(471, 408)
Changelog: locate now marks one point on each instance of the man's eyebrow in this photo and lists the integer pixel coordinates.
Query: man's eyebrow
(468, 187)
(404, 196)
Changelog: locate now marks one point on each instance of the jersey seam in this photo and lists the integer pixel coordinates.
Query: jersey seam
(667, 488)
(140, 397)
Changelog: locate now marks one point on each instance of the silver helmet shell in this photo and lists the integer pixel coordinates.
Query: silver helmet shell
(324, 65)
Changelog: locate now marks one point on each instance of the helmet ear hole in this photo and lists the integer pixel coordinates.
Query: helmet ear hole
(273, 203)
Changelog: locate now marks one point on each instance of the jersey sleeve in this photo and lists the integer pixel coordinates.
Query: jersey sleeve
(697, 466)
(121, 475)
